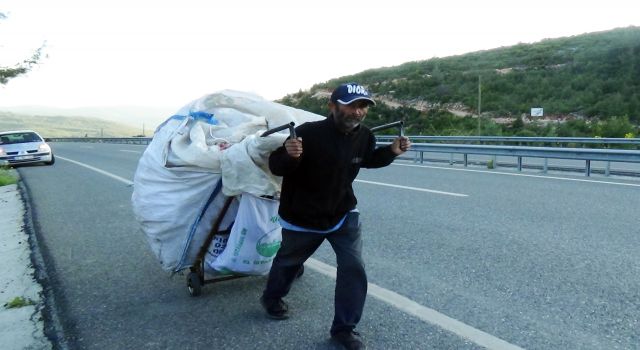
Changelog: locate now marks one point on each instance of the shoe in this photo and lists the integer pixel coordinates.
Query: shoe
(351, 340)
(276, 309)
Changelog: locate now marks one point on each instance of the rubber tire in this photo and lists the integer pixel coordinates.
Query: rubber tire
(194, 284)
(53, 160)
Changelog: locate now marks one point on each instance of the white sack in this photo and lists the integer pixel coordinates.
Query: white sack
(254, 240)
(175, 203)
(176, 197)
(245, 167)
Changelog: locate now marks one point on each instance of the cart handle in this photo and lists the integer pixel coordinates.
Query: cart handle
(292, 131)
(399, 124)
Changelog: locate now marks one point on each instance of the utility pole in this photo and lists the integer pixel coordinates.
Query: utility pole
(479, 102)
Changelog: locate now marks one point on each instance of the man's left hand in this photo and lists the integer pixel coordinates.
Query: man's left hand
(400, 145)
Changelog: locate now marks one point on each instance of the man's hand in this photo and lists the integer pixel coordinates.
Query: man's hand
(294, 147)
(400, 145)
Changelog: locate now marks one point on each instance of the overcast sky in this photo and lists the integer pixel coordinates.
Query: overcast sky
(167, 53)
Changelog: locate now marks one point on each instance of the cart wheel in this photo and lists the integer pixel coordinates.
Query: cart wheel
(300, 272)
(194, 284)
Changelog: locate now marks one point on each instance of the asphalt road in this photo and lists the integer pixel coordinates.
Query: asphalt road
(475, 256)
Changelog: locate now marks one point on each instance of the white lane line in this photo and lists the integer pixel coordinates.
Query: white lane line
(127, 150)
(394, 299)
(413, 188)
(423, 313)
(525, 175)
(121, 179)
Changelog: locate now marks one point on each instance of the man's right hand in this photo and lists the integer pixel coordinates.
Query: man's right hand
(294, 147)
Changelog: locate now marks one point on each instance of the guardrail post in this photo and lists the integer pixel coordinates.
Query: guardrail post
(519, 163)
(587, 168)
(495, 161)
(465, 160)
(607, 170)
(545, 168)
(418, 155)
(451, 159)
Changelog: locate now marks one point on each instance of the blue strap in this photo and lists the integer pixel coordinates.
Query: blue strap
(202, 116)
(195, 224)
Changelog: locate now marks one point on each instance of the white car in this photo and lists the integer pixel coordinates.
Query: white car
(24, 146)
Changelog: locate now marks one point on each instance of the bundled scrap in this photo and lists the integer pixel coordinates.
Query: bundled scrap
(209, 151)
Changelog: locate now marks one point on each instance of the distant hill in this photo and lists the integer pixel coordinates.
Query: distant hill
(133, 116)
(591, 78)
(62, 126)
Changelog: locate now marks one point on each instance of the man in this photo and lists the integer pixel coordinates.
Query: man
(317, 203)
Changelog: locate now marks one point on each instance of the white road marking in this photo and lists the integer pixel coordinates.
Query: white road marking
(413, 188)
(525, 175)
(423, 313)
(113, 176)
(127, 150)
(396, 300)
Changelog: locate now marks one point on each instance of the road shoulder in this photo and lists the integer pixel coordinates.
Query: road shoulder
(21, 326)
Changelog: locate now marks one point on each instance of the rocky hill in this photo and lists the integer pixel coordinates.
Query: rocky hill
(592, 77)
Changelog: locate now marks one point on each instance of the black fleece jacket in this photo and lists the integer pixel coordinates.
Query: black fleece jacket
(316, 187)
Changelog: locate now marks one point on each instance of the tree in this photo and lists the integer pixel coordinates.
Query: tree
(8, 73)
(592, 77)
(615, 127)
(517, 125)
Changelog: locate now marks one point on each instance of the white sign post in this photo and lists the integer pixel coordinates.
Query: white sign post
(537, 112)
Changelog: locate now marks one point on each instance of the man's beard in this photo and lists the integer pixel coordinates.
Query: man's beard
(346, 123)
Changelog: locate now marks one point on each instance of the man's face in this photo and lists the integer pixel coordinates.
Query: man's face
(348, 117)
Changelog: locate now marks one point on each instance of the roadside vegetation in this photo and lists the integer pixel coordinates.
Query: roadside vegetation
(587, 85)
(19, 302)
(7, 176)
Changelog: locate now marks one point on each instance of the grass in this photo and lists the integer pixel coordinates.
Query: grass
(19, 302)
(6, 176)
(490, 164)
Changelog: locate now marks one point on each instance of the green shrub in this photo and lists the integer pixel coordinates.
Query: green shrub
(7, 177)
(19, 302)
(490, 164)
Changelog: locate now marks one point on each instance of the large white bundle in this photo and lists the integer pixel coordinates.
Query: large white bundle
(211, 146)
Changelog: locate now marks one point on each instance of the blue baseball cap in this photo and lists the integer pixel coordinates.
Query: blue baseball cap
(349, 92)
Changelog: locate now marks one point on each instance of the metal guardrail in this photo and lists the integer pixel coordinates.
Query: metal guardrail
(586, 154)
(517, 139)
(420, 145)
(128, 140)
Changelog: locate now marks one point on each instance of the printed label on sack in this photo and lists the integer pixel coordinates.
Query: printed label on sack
(243, 234)
(268, 245)
(217, 246)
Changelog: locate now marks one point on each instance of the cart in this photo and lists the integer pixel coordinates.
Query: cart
(196, 277)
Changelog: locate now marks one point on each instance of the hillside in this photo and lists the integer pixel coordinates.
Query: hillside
(58, 126)
(590, 80)
(133, 116)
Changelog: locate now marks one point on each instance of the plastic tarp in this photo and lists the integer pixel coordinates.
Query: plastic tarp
(209, 150)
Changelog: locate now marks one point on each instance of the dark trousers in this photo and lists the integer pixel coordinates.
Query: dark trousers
(351, 280)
